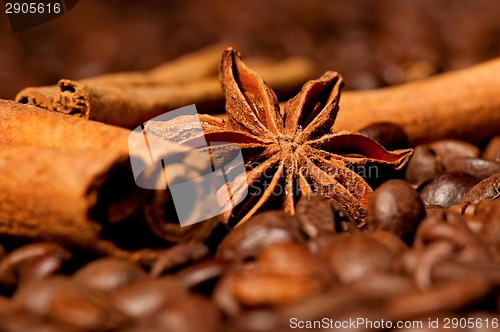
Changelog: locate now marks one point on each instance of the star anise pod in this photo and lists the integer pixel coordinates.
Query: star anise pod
(291, 153)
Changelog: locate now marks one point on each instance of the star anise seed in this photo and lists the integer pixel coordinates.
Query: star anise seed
(287, 156)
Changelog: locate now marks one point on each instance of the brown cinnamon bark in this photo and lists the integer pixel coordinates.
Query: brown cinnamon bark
(463, 104)
(69, 179)
(189, 67)
(57, 195)
(129, 99)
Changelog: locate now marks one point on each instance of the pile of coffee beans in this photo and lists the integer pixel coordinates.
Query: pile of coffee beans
(429, 252)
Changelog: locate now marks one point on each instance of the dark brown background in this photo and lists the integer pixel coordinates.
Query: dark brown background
(371, 43)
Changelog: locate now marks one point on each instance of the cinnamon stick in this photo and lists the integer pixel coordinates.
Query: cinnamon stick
(69, 178)
(463, 104)
(191, 66)
(129, 99)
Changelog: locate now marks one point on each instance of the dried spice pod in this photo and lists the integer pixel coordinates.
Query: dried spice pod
(292, 154)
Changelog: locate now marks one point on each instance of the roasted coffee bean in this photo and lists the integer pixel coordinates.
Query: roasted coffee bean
(200, 273)
(391, 241)
(78, 310)
(480, 168)
(282, 273)
(263, 229)
(447, 189)
(381, 286)
(20, 321)
(389, 135)
(450, 296)
(488, 188)
(356, 256)
(64, 301)
(109, 274)
(187, 314)
(423, 165)
(489, 210)
(11, 265)
(395, 207)
(143, 298)
(492, 151)
(452, 148)
(315, 215)
(177, 255)
(40, 267)
(429, 160)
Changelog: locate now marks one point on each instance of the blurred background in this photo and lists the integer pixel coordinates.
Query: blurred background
(371, 43)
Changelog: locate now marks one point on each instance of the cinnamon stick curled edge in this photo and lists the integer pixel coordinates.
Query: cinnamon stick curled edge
(70, 180)
(463, 104)
(129, 99)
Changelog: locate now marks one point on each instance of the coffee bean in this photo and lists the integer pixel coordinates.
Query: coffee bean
(389, 135)
(78, 310)
(40, 267)
(447, 189)
(488, 188)
(109, 274)
(143, 298)
(429, 160)
(390, 241)
(12, 264)
(179, 254)
(395, 207)
(423, 165)
(187, 314)
(356, 256)
(480, 168)
(452, 148)
(68, 303)
(282, 273)
(263, 229)
(315, 215)
(451, 296)
(492, 151)
(201, 273)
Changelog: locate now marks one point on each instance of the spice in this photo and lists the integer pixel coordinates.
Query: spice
(463, 104)
(68, 179)
(129, 99)
(291, 155)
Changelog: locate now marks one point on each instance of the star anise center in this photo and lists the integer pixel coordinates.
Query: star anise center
(294, 154)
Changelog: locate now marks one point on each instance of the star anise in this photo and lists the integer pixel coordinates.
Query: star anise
(291, 153)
